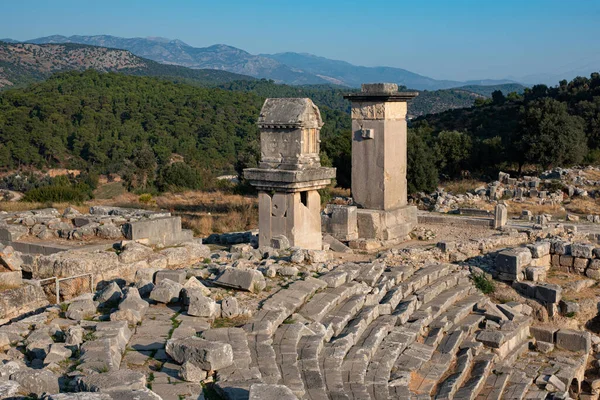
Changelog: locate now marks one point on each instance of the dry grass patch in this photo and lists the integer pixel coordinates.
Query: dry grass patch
(583, 205)
(462, 186)
(17, 206)
(517, 207)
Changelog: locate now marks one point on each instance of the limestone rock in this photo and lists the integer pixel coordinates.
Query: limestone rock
(133, 252)
(81, 307)
(74, 336)
(202, 353)
(166, 291)
(244, 279)
(201, 306)
(11, 259)
(191, 373)
(58, 352)
(132, 309)
(195, 283)
(9, 389)
(37, 382)
(230, 307)
(178, 275)
(109, 231)
(81, 396)
(111, 294)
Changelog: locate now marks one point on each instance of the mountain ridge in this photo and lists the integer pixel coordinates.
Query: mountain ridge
(298, 68)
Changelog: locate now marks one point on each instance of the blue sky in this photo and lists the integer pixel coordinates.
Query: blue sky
(454, 39)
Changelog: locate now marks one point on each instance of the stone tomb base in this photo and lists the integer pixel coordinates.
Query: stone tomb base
(386, 225)
(293, 215)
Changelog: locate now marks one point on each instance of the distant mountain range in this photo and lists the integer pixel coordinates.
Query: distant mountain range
(23, 63)
(290, 68)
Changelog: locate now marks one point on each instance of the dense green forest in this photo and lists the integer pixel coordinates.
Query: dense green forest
(136, 126)
(132, 126)
(543, 128)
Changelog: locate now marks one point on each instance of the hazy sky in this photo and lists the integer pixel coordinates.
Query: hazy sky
(452, 39)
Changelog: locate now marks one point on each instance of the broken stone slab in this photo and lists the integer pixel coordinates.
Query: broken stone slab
(11, 259)
(123, 379)
(166, 291)
(109, 231)
(201, 306)
(193, 282)
(192, 373)
(262, 391)
(58, 352)
(81, 307)
(111, 294)
(202, 353)
(572, 340)
(84, 396)
(132, 309)
(176, 255)
(244, 279)
(336, 245)
(11, 279)
(230, 307)
(38, 382)
(74, 336)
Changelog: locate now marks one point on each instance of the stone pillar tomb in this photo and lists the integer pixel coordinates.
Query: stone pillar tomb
(379, 158)
(290, 173)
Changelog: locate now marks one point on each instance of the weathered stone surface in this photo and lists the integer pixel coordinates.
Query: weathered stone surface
(582, 250)
(58, 352)
(573, 340)
(166, 291)
(111, 294)
(260, 391)
(548, 293)
(177, 275)
(192, 373)
(74, 336)
(37, 382)
(539, 249)
(81, 396)
(9, 389)
(109, 231)
(11, 259)
(201, 306)
(81, 307)
(230, 307)
(244, 279)
(132, 309)
(133, 252)
(202, 353)
(124, 379)
(513, 261)
(194, 283)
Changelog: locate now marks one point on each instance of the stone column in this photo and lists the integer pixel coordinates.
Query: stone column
(379, 158)
(290, 173)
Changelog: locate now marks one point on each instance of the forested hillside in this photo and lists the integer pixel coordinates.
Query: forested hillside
(543, 128)
(132, 126)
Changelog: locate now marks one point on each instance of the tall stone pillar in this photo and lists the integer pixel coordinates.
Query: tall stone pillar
(379, 157)
(290, 173)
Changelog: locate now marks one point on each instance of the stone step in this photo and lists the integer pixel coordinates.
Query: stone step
(241, 370)
(448, 387)
(285, 344)
(494, 386)
(263, 357)
(309, 349)
(482, 365)
(382, 362)
(517, 386)
(323, 302)
(339, 317)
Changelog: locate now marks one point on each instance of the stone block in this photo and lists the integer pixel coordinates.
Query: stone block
(513, 261)
(178, 275)
(38, 382)
(164, 231)
(500, 216)
(539, 249)
(562, 248)
(580, 264)
(244, 279)
(535, 274)
(166, 291)
(11, 279)
(111, 294)
(544, 347)
(566, 261)
(548, 293)
(543, 261)
(543, 333)
(202, 306)
(230, 307)
(81, 307)
(204, 354)
(343, 222)
(572, 340)
(582, 250)
(113, 381)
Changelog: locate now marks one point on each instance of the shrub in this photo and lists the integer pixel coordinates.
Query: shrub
(485, 285)
(179, 176)
(57, 194)
(145, 198)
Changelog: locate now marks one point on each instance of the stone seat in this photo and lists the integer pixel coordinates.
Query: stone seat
(482, 366)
